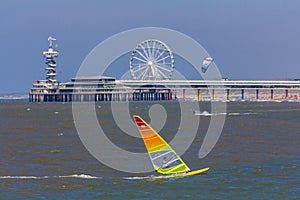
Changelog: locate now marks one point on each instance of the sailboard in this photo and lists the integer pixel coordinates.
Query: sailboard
(164, 159)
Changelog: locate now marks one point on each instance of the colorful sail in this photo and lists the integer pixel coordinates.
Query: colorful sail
(164, 159)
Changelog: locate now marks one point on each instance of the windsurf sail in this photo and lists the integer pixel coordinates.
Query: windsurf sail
(164, 159)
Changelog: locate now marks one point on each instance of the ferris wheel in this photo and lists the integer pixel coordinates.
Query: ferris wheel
(151, 60)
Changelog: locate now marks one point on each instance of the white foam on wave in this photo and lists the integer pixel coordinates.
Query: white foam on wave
(237, 114)
(206, 113)
(82, 176)
(23, 177)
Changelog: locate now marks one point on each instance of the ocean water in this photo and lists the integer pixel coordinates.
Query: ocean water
(256, 157)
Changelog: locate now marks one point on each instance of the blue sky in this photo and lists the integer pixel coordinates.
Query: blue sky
(258, 39)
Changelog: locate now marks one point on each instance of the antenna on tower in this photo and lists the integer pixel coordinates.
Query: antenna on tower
(50, 39)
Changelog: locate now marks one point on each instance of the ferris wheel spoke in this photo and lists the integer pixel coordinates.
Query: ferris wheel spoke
(162, 74)
(161, 54)
(163, 58)
(139, 65)
(165, 64)
(139, 69)
(144, 50)
(148, 49)
(144, 73)
(140, 53)
(138, 76)
(157, 51)
(137, 58)
(153, 49)
(162, 68)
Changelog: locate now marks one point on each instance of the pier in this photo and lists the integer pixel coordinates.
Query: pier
(109, 89)
(152, 82)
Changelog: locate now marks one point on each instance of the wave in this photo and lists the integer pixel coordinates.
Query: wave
(82, 176)
(235, 114)
(207, 114)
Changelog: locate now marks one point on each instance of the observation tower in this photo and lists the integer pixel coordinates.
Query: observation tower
(50, 54)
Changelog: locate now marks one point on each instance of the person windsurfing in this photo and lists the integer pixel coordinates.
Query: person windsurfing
(164, 163)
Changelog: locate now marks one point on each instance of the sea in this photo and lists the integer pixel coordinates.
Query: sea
(256, 157)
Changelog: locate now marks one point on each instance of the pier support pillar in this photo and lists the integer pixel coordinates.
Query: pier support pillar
(272, 94)
(243, 94)
(184, 95)
(228, 94)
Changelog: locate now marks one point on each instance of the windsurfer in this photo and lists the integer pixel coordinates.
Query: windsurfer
(164, 163)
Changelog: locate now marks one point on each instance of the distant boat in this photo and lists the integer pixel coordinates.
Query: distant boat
(164, 159)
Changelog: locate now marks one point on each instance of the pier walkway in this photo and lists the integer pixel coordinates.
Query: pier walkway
(101, 88)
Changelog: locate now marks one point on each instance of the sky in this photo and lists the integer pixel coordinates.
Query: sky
(257, 39)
